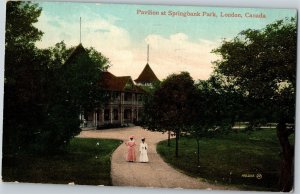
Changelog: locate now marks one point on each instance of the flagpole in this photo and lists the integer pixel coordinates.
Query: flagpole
(80, 31)
(148, 53)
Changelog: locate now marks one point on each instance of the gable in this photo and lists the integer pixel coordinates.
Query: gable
(147, 76)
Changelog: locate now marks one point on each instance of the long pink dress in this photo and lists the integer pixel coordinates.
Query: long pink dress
(131, 151)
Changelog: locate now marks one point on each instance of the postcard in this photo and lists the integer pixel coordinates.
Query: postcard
(153, 96)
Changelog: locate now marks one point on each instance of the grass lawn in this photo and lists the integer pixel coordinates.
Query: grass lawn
(84, 162)
(234, 159)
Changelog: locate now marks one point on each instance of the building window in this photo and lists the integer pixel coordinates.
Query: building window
(106, 114)
(127, 97)
(127, 114)
(116, 116)
(139, 97)
(98, 115)
(116, 96)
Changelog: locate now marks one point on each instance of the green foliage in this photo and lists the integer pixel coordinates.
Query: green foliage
(262, 65)
(85, 162)
(169, 107)
(98, 59)
(23, 15)
(22, 103)
(77, 72)
(58, 54)
(216, 106)
(214, 113)
(45, 90)
(225, 158)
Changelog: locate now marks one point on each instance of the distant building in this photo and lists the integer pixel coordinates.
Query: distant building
(124, 104)
(125, 98)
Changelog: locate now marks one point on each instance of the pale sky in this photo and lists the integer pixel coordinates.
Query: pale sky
(176, 43)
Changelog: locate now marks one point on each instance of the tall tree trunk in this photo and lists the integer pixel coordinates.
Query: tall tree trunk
(287, 155)
(177, 139)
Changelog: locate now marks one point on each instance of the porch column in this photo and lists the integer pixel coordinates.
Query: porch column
(132, 110)
(122, 115)
(80, 118)
(102, 116)
(96, 118)
(133, 98)
(122, 108)
(122, 98)
(111, 114)
(119, 115)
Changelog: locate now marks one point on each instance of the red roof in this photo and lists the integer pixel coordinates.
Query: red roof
(108, 81)
(114, 83)
(147, 76)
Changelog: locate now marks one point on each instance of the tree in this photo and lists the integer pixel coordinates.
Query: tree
(262, 64)
(72, 88)
(22, 105)
(77, 72)
(215, 104)
(44, 90)
(171, 106)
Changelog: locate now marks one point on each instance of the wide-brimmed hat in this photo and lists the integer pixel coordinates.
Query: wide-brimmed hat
(131, 137)
(143, 138)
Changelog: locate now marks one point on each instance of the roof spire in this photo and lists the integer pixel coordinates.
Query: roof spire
(147, 76)
(147, 53)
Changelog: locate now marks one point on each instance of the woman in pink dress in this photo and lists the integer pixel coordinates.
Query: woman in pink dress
(131, 150)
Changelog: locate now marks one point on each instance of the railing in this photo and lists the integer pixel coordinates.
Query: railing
(115, 101)
(125, 102)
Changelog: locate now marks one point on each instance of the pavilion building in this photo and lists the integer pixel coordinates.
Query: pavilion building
(124, 103)
(125, 99)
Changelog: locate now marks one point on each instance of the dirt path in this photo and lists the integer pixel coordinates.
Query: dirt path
(156, 173)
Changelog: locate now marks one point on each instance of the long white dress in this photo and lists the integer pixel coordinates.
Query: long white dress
(143, 152)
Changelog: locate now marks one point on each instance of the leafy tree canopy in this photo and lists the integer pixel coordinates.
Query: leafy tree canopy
(170, 106)
(45, 90)
(262, 65)
(172, 102)
(22, 14)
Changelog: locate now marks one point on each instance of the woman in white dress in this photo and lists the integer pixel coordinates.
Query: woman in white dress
(143, 151)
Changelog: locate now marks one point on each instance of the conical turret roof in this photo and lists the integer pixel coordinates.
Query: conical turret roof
(147, 76)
